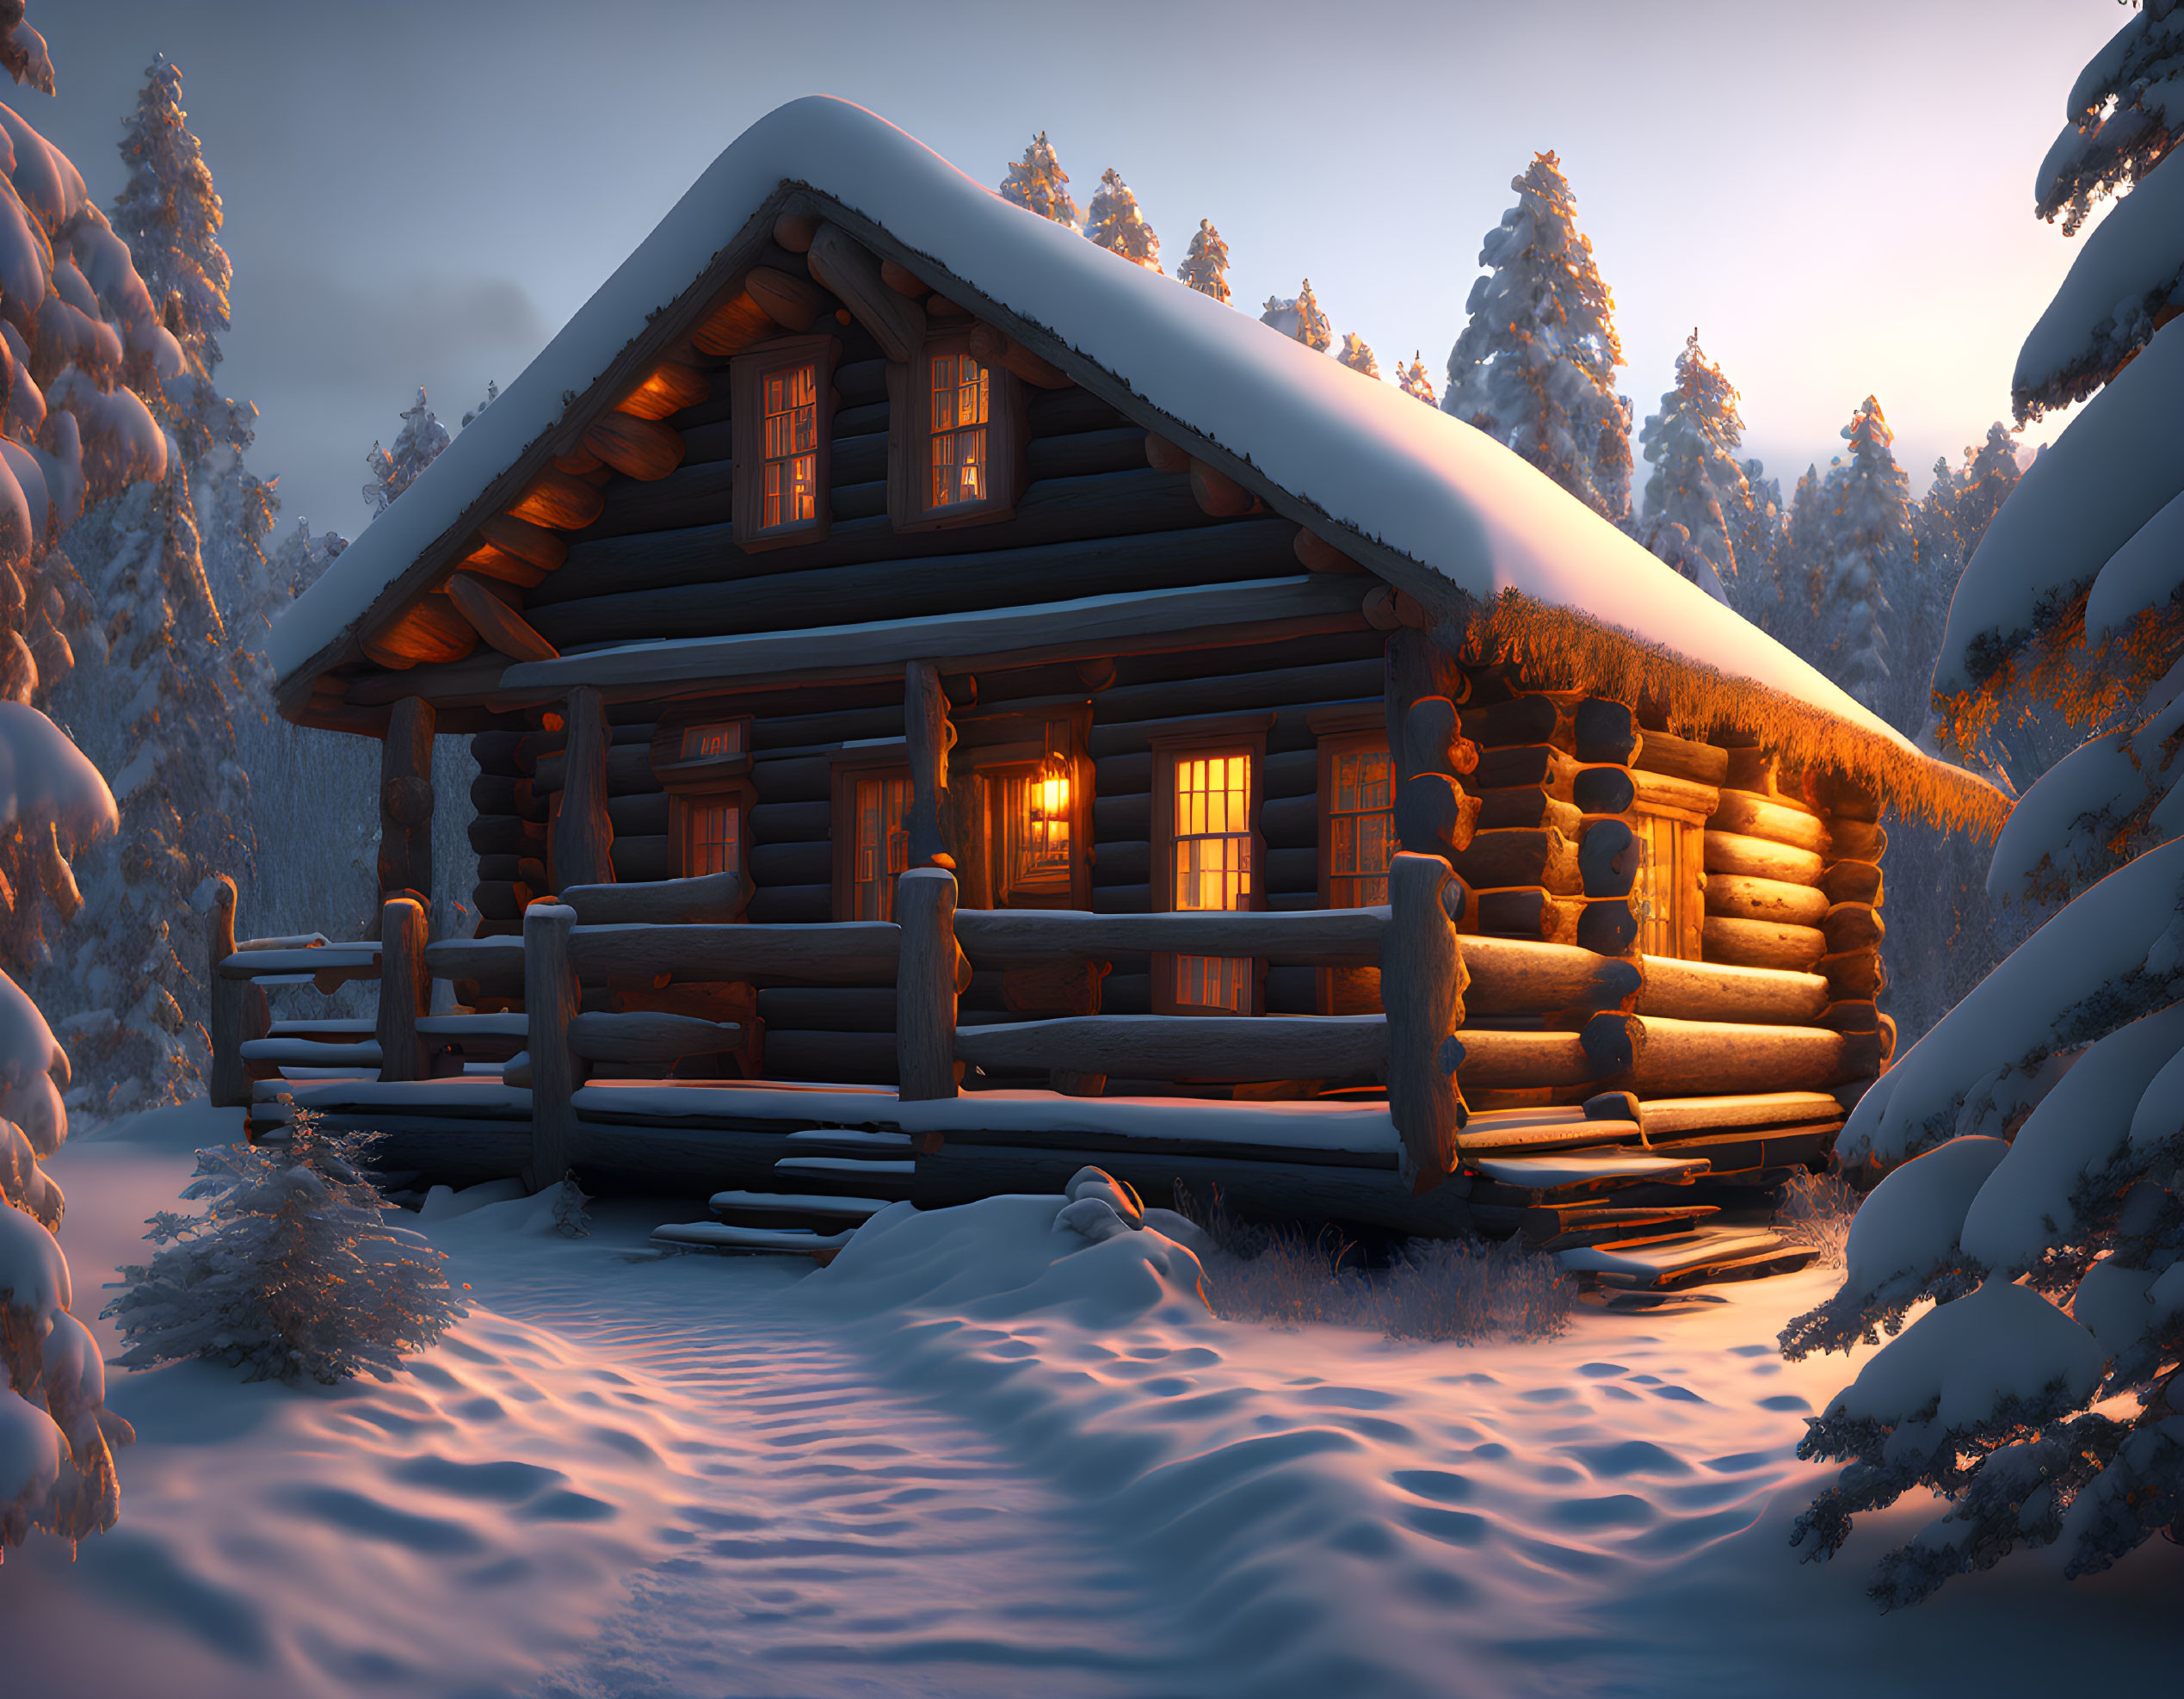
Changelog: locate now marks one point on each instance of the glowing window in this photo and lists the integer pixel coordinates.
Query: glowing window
(1037, 817)
(882, 852)
(1665, 894)
(723, 737)
(790, 480)
(962, 410)
(1212, 869)
(1360, 829)
(713, 836)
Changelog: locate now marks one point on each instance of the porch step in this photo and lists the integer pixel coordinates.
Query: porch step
(718, 1236)
(1698, 1259)
(352, 1055)
(821, 1213)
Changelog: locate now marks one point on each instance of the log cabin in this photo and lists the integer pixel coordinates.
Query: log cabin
(950, 703)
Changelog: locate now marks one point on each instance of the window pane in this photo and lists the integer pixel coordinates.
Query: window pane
(1037, 832)
(881, 851)
(789, 448)
(961, 410)
(1212, 870)
(715, 837)
(1360, 829)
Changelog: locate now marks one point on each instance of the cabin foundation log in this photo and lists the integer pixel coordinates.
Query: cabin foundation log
(583, 836)
(404, 987)
(406, 798)
(550, 1002)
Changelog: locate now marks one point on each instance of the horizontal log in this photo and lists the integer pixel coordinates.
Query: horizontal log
(1527, 912)
(1514, 764)
(1760, 858)
(504, 834)
(810, 863)
(497, 964)
(504, 794)
(786, 905)
(1529, 806)
(1494, 1061)
(629, 771)
(1852, 1014)
(1756, 817)
(854, 952)
(1689, 1058)
(853, 1058)
(1670, 794)
(1513, 857)
(541, 546)
(868, 1009)
(1512, 976)
(672, 385)
(353, 960)
(712, 898)
(649, 859)
(1739, 896)
(785, 822)
(1702, 764)
(649, 1036)
(503, 900)
(492, 562)
(1079, 625)
(1026, 938)
(1762, 943)
(1851, 883)
(897, 590)
(638, 816)
(795, 779)
(1853, 926)
(1312, 684)
(1683, 1117)
(693, 495)
(1180, 1046)
(1060, 511)
(1857, 841)
(1717, 990)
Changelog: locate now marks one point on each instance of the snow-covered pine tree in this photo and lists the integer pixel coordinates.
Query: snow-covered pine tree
(1116, 225)
(1697, 502)
(2034, 1140)
(1301, 319)
(159, 712)
(1357, 354)
(1416, 384)
(74, 309)
(294, 1271)
(417, 446)
(1871, 563)
(1038, 183)
(1205, 267)
(1536, 365)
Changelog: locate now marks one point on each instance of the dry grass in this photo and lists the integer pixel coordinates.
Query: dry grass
(1447, 1291)
(1816, 1210)
(1571, 649)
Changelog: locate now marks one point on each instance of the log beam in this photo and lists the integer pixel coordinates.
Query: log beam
(926, 980)
(644, 449)
(583, 835)
(550, 996)
(842, 263)
(930, 734)
(648, 1035)
(1422, 981)
(406, 798)
(500, 625)
(405, 988)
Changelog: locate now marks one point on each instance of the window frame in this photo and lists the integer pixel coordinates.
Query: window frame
(909, 418)
(1686, 918)
(747, 374)
(890, 761)
(1244, 734)
(991, 749)
(1346, 730)
(692, 781)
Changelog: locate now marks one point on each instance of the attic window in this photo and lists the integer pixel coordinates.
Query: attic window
(783, 396)
(959, 461)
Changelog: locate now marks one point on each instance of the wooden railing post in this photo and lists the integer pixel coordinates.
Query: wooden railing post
(238, 1010)
(404, 987)
(405, 799)
(925, 984)
(583, 837)
(927, 730)
(1422, 987)
(549, 1005)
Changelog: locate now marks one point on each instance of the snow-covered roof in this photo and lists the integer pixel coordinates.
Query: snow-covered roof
(1320, 444)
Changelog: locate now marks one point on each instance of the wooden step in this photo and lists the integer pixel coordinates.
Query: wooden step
(775, 1241)
(1573, 1173)
(797, 1203)
(1708, 1254)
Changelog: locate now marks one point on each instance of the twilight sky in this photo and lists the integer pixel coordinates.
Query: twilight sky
(1838, 197)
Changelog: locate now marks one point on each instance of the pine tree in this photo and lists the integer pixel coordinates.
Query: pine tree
(159, 712)
(1205, 268)
(1117, 224)
(1357, 354)
(1869, 568)
(1038, 183)
(1416, 384)
(1697, 501)
(1536, 365)
(1300, 319)
(422, 436)
(2031, 1143)
(56, 1436)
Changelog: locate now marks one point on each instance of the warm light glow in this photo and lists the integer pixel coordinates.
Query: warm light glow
(713, 831)
(790, 493)
(1039, 831)
(1212, 869)
(962, 408)
(882, 845)
(1360, 822)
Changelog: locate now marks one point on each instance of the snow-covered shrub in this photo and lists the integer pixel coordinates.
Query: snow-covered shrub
(1816, 1209)
(294, 1271)
(2035, 1136)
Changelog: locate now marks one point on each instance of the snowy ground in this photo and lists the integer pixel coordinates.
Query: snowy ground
(955, 1465)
